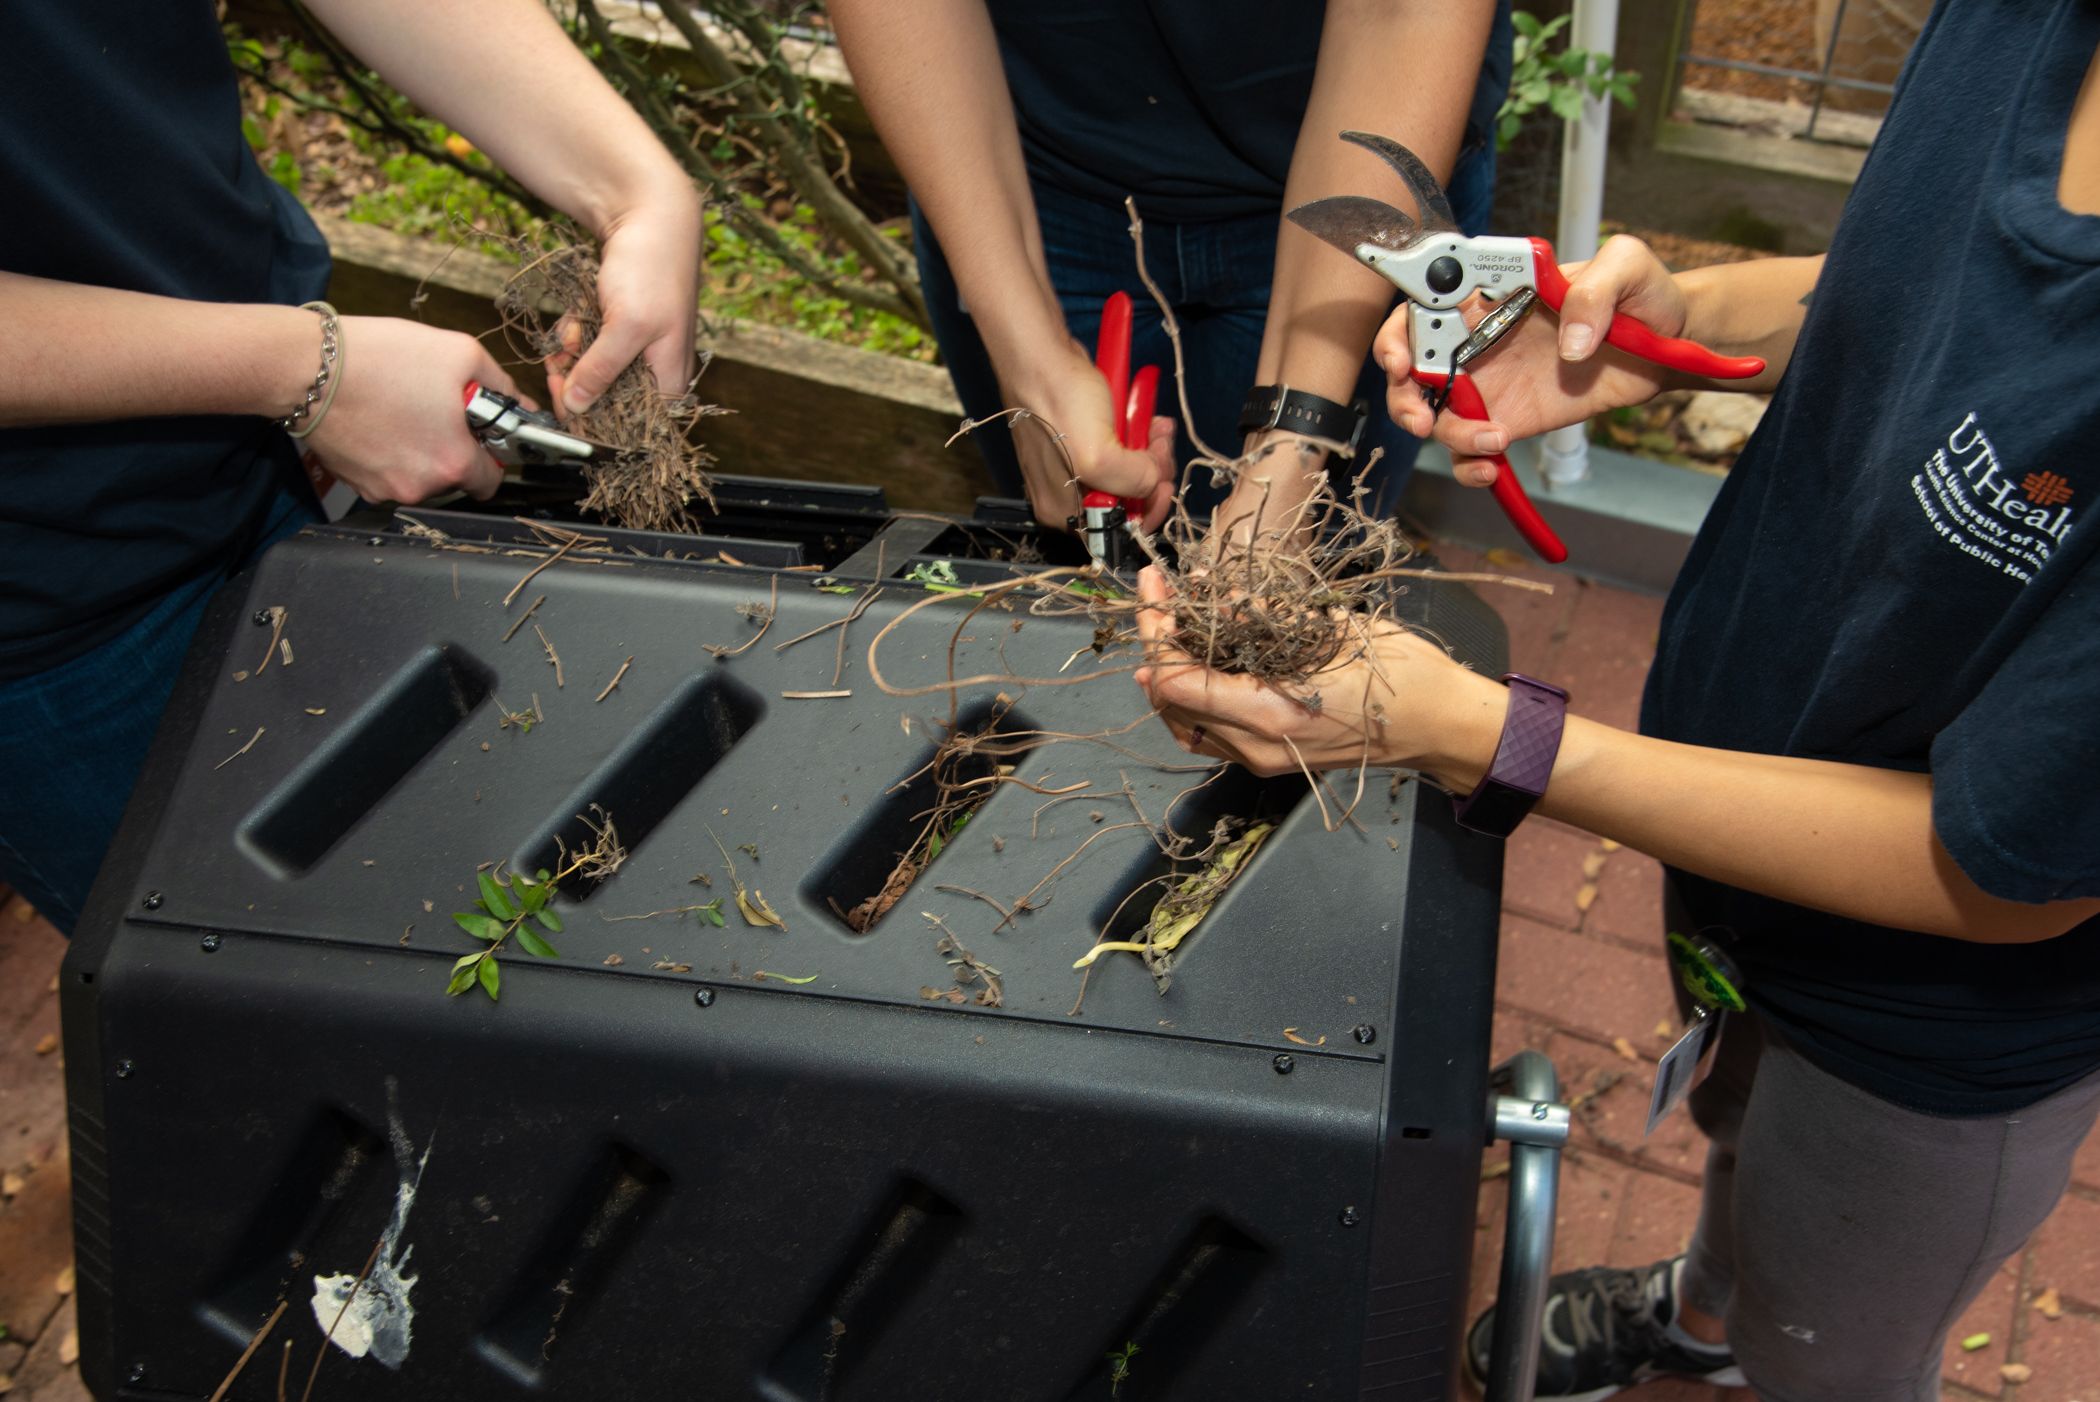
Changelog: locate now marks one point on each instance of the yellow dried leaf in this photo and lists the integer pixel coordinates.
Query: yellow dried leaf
(1505, 559)
(1625, 1048)
(1292, 1033)
(1593, 866)
(2050, 1304)
(1587, 896)
(2015, 1372)
(11, 1184)
(459, 146)
(64, 1285)
(1609, 845)
(69, 1348)
(1663, 1028)
(752, 904)
(47, 1044)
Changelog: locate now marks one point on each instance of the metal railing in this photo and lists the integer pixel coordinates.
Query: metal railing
(1852, 35)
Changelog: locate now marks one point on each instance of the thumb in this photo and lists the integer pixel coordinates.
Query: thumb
(593, 374)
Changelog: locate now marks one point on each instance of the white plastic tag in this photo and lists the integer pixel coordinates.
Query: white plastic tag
(1684, 1065)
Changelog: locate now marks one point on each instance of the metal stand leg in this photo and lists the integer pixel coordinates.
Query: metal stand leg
(1531, 1118)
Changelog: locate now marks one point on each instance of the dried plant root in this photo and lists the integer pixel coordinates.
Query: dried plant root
(655, 472)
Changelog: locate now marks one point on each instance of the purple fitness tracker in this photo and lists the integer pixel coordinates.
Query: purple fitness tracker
(1523, 760)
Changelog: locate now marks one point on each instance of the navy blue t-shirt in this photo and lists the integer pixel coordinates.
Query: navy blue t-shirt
(1900, 572)
(122, 165)
(1191, 106)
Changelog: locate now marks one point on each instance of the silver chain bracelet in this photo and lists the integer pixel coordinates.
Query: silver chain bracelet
(322, 391)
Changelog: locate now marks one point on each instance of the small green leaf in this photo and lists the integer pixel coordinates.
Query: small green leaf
(549, 921)
(494, 897)
(1535, 92)
(712, 913)
(491, 979)
(836, 589)
(534, 945)
(462, 976)
(532, 895)
(481, 927)
(1566, 103)
(1526, 23)
(543, 876)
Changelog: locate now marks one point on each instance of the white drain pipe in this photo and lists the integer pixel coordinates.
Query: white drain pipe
(1565, 452)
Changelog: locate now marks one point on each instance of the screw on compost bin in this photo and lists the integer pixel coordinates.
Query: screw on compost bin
(209, 944)
(152, 900)
(1350, 1216)
(705, 997)
(260, 618)
(1283, 1063)
(1365, 1033)
(125, 1068)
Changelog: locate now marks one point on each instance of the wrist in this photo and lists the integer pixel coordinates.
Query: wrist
(1464, 733)
(1031, 348)
(652, 188)
(284, 355)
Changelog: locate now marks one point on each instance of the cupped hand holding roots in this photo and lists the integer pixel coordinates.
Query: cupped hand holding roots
(1382, 697)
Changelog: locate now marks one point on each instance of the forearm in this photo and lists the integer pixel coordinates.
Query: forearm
(99, 353)
(1401, 70)
(1850, 839)
(1753, 308)
(930, 75)
(502, 72)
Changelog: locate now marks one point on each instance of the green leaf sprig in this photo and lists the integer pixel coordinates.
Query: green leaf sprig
(509, 907)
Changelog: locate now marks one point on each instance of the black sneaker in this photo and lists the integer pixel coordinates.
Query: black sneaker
(1606, 1330)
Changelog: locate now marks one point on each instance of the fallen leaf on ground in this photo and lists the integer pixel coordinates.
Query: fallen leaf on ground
(1292, 1033)
(761, 975)
(1975, 1342)
(1505, 559)
(2015, 1372)
(1663, 1028)
(47, 1044)
(1498, 1169)
(671, 967)
(614, 960)
(755, 910)
(11, 1184)
(1593, 865)
(65, 1281)
(1625, 1048)
(2049, 1303)
(940, 995)
(1587, 896)
(69, 1348)
(1609, 845)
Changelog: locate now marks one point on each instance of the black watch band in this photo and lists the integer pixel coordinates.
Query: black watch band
(1295, 411)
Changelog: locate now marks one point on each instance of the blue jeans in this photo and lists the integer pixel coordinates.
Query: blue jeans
(73, 739)
(1216, 275)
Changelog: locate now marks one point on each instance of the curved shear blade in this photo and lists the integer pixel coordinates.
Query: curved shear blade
(1429, 196)
(1350, 221)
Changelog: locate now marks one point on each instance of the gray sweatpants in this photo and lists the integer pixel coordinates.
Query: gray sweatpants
(1841, 1236)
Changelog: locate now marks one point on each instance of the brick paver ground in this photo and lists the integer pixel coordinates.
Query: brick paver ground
(1581, 980)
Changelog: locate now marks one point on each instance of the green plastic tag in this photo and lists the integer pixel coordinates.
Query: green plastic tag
(1705, 973)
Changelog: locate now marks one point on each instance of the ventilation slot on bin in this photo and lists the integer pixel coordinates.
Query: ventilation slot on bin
(902, 836)
(845, 1323)
(1187, 1303)
(1235, 795)
(657, 766)
(557, 1287)
(351, 771)
(334, 1160)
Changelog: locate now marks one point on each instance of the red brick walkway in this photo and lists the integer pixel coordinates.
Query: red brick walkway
(1580, 975)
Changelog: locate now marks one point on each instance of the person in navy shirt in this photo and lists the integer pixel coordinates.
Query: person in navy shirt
(1870, 747)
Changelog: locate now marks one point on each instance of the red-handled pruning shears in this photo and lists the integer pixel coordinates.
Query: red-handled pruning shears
(1436, 267)
(1106, 519)
(515, 435)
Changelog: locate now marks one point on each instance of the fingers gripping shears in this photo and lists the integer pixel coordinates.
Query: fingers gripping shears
(1105, 519)
(1437, 268)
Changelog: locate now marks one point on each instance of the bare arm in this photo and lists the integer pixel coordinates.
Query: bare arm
(1402, 70)
(503, 72)
(930, 75)
(1849, 839)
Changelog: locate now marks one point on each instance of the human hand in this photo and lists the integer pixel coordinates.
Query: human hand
(1396, 699)
(1545, 374)
(1067, 444)
(396, 430)
(648, 291)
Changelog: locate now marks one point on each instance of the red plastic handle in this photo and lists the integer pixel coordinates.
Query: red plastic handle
(1636, 337)
(1509, 492)
(1112, 349)
(1132, 395)
(473, 388)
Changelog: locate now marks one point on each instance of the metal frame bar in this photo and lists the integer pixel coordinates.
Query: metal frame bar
(1822, 80)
